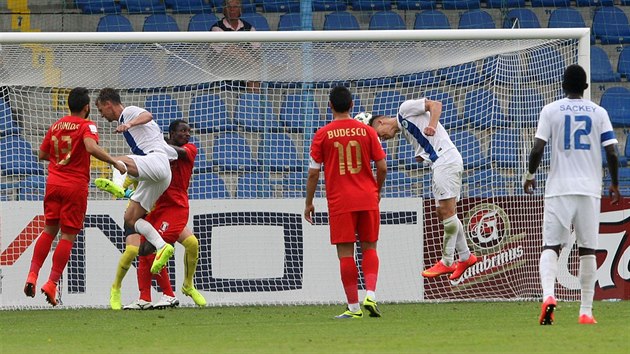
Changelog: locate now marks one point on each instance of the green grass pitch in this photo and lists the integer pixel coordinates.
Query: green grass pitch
(460, 327)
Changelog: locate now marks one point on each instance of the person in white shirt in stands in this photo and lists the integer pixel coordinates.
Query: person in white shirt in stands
(150, 164)
(576, 130)
(418, 121)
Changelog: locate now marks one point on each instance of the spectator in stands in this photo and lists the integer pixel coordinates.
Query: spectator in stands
(418, 121)
(577, 129)
(68, 145)
(244, 53)
(353, 196)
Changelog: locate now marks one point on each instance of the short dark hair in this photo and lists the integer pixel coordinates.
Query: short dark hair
(108, 94)
(174, 124)
(78, 98)
(374, 118)
(574, 80)
(340, 99)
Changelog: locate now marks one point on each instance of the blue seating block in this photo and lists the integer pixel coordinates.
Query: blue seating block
(616, 100)
(601, 69)
(340, 20)
(386, 20)
(431, 19)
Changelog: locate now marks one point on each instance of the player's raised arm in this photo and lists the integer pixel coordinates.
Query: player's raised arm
(435, 109)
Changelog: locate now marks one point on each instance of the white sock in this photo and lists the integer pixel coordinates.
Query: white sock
(354, 307)
(588, 269)
(371, 295)
(145, 228)
(548, 268)
(450, 237)
(460, 243)
(117, 177)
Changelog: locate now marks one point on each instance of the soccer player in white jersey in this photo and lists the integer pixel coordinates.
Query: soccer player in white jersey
(418, 121)
(576, 129)
(150, 164)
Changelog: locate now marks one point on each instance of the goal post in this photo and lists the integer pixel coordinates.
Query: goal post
(254, 101)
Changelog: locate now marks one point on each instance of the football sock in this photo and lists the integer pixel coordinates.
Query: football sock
(450, 238)
(460, 242)
(60, 259)
(370, 294)
(145, 228)
(124, 264)
(354, 307)
(370, 268)
(42, 247)
(164, 281)
(588, 269)
(145, 276)
(117, 177)
(548, 271)
(349, 279)
(191, 256)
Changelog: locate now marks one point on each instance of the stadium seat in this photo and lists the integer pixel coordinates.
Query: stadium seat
(521, 18)
(257, 20)
(460, 75)
(502, 4)
(143, 6)
(208, 114)
(405, 155)
(160, 23)
(164, 110)
(460, 4)
(290, 22)
(553, 69)
(449, 118)
(278, 152)
(386, 20)
(616, 100)
(293, 183)
(594, 3)
(247, 6)
(253, 186)
(329, 5)
(505, 150)
(202, 22)
(340, 20)
(371, 5)
(601, 69)
(387, 103)
(281, 6)
(626, 151)
(254, 113)
(231, 152)
(551, 3)
(482, 110)
(91, 7)
(137, 71)
(476, 19)
(623, 65)
(366, 70)
(610, 25)
(398, 185)
(431, 19)
(416, 4)
(190, 7)
(566, 17)
(32, 188)
(114, 23)
(299, 112)
(484, 183)
(7, 125)
(207, 186)
(524, 108)
(17, 157)
(469, 147)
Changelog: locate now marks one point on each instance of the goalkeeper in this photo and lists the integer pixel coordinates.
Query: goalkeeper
(169, 217)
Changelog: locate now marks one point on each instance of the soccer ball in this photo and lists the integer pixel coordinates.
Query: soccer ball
(364, 117)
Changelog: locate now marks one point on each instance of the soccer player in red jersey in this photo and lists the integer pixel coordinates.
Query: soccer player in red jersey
(67, 145)
(346, 148)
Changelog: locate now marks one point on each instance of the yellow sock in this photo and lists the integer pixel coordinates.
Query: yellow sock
(191, 256)
(131, 252)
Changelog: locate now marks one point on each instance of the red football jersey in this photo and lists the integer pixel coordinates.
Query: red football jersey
(69, 160)
(177, 193)
(346, 147)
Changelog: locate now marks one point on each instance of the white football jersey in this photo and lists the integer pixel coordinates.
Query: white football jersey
(144, 138)
(439, 149)
(576, 130)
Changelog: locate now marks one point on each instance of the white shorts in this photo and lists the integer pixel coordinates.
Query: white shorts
(154, 176)
(447, 181)
(561, 212)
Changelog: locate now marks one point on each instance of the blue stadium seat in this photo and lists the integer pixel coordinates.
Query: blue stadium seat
(371, 5)
(398, 185)
(247, 6)
(340, 20)
(551, 3)
(525, 108)
(253, 186)
(431, 19)
(476, 19)
(610, 25)
(329, 5)
(566, 17)
(461, 75)
(293, 183)
(485, 183)
(290, 22)
(405, 155)
(114, 23)
(425, 78)
(416, 4)
(257, 20)
(616, 100)
(504, 148)
(98, 6)
(469, 147)
(521, 18)
(386, 20)
(623, 65)
(594, 3)
(190, 6)
(231, 152)
(601, 69)
(160, 23)
(449, 118)
(208, 114)
(17, 157)
(482, 110)
(365, 70)
(254, 113)
(281, 6)
(460, 4)
(136, 71)
(278, 152)
(32, 188)
(143, 6)
(164, 109)
(202, 22)
(7, 125)
(299, 112)
(626, 152)
(498, 4)
(387, 103)
(207, 186)
(553, 65)
(202, 165)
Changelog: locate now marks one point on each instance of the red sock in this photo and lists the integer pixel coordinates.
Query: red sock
(349, 279)
(370, 268)
(42, 247)
(164, 282)
(144, 276)
(60, 259)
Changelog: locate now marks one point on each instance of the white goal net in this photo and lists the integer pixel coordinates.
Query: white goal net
(254, 101)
